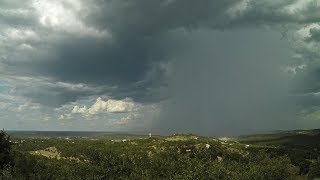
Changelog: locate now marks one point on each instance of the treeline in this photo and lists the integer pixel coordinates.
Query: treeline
(153, 158)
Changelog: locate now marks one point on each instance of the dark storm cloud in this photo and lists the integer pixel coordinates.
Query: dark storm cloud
(124, 66)
(144, 18)
(193, 54)
(141, 40)
(144, 34)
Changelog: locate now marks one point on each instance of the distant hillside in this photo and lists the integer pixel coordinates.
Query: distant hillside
(309, 138)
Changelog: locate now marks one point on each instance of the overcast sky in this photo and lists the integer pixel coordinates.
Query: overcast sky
(209, 67)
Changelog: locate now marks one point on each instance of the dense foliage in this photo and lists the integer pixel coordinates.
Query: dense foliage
(176, 157)
(315, 169)
(6, 159)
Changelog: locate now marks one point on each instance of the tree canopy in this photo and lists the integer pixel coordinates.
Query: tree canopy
(6, 158)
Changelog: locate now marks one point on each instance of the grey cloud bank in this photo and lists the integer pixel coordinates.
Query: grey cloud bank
(212, 67)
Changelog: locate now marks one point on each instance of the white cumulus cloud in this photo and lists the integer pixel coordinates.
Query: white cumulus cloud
(110, 105)
(65, 16)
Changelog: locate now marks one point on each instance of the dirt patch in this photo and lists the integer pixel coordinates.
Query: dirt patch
(51, 152)
(181, 138)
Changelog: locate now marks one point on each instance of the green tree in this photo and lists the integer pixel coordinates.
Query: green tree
(314, 171)
(6, 158)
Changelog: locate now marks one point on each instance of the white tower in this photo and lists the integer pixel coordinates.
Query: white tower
(150, 135)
